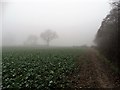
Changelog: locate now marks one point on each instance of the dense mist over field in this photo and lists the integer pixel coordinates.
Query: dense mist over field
(0, 24)
(75, 21)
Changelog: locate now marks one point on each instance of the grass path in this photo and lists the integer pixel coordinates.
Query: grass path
(92, 72)
(101, 73)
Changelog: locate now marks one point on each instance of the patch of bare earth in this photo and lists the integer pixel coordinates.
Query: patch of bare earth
(91, 72)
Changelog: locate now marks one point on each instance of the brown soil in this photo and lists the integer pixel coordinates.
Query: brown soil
(92, 72)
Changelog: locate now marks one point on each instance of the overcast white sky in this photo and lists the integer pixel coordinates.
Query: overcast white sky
(75, 21)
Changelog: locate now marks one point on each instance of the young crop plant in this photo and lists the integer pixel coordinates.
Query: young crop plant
(38, 68)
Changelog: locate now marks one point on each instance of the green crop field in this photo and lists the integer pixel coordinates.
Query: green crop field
(0, 67)
(40, 68)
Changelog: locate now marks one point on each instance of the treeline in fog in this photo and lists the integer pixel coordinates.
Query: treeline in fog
(107, 38)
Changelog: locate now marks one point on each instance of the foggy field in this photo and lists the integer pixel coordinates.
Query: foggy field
(40, 68)
(48, 68)
(59, 44)
(0, 67)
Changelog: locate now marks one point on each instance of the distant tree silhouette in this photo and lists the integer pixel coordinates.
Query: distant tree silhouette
(108, 35)
(31, 40)
(48, 36)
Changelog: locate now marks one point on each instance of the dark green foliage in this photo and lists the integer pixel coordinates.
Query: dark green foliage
(108, 35)
(38, 68)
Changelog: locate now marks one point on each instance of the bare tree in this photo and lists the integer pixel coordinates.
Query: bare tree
(31, 40)
(48, 36)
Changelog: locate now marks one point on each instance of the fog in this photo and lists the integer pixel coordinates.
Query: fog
(0, 24)
(75, 21)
